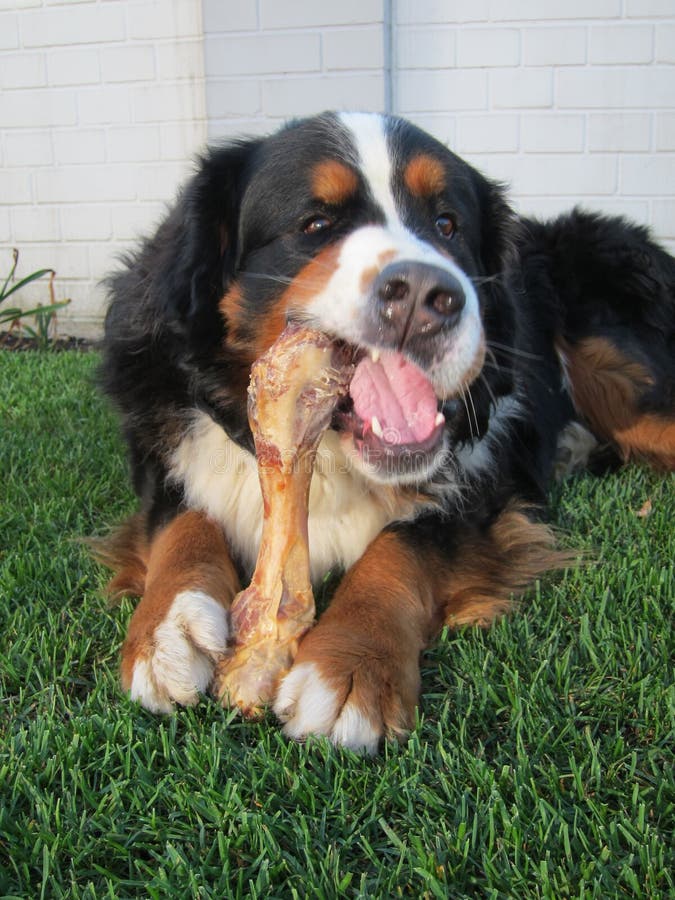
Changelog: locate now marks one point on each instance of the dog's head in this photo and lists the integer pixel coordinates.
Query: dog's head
(370, 230)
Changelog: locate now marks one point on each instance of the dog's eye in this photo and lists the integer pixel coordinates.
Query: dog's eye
(445, 225)
(317, 225)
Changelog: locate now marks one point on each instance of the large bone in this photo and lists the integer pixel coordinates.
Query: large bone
(292, 394)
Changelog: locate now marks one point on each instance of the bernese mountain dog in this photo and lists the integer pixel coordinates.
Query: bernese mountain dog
(489, 351)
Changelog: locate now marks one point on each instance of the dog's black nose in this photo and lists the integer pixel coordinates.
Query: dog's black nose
(416, 299)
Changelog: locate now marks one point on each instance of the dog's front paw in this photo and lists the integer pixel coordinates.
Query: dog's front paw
(173, 661)
(349, 687)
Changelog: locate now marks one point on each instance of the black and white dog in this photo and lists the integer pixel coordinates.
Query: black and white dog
(484, 344)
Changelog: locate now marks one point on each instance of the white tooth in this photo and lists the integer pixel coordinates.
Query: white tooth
(375, 355)
(440, 419)
(377, 428)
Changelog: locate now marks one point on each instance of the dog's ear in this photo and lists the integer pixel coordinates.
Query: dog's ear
(199, 242)
(499, 227)
(499, 254)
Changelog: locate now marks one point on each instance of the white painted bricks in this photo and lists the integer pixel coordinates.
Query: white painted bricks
(569, 101)
(102, 108)
(275, 59)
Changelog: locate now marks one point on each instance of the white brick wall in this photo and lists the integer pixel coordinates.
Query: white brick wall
(574, 100)
(101, 109)
(268, 60)
(104, 104)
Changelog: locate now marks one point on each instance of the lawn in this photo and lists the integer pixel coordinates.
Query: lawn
(541, 765)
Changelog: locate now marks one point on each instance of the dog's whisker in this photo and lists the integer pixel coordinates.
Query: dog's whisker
(263, 276)
(488, 388)
(468, 416)
(473, 409)
(535, 376)
(492, 358)
(487, 279)
(514, 351)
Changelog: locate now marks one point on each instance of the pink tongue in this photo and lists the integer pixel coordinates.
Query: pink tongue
(398, 395)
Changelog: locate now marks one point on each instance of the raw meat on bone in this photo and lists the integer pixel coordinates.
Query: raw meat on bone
(293, 391)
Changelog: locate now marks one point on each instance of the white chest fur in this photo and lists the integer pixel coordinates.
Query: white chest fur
(346, 511)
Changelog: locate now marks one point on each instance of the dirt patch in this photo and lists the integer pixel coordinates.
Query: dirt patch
(9, 340)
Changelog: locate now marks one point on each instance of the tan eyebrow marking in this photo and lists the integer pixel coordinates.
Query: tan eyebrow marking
(424, 175)
(333, 182)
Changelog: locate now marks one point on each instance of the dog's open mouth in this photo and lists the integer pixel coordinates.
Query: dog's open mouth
(391, 411)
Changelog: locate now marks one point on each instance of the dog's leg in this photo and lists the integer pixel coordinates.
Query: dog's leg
(493, 565)
(356, 676)
(621, 399)
(180, 627)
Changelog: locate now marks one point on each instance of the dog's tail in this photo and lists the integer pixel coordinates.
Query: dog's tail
(125, 551)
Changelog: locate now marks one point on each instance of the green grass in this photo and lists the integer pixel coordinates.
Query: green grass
(541, 766)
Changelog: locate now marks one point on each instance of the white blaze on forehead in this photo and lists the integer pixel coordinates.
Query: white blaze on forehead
(341, 305)
(374, 159)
